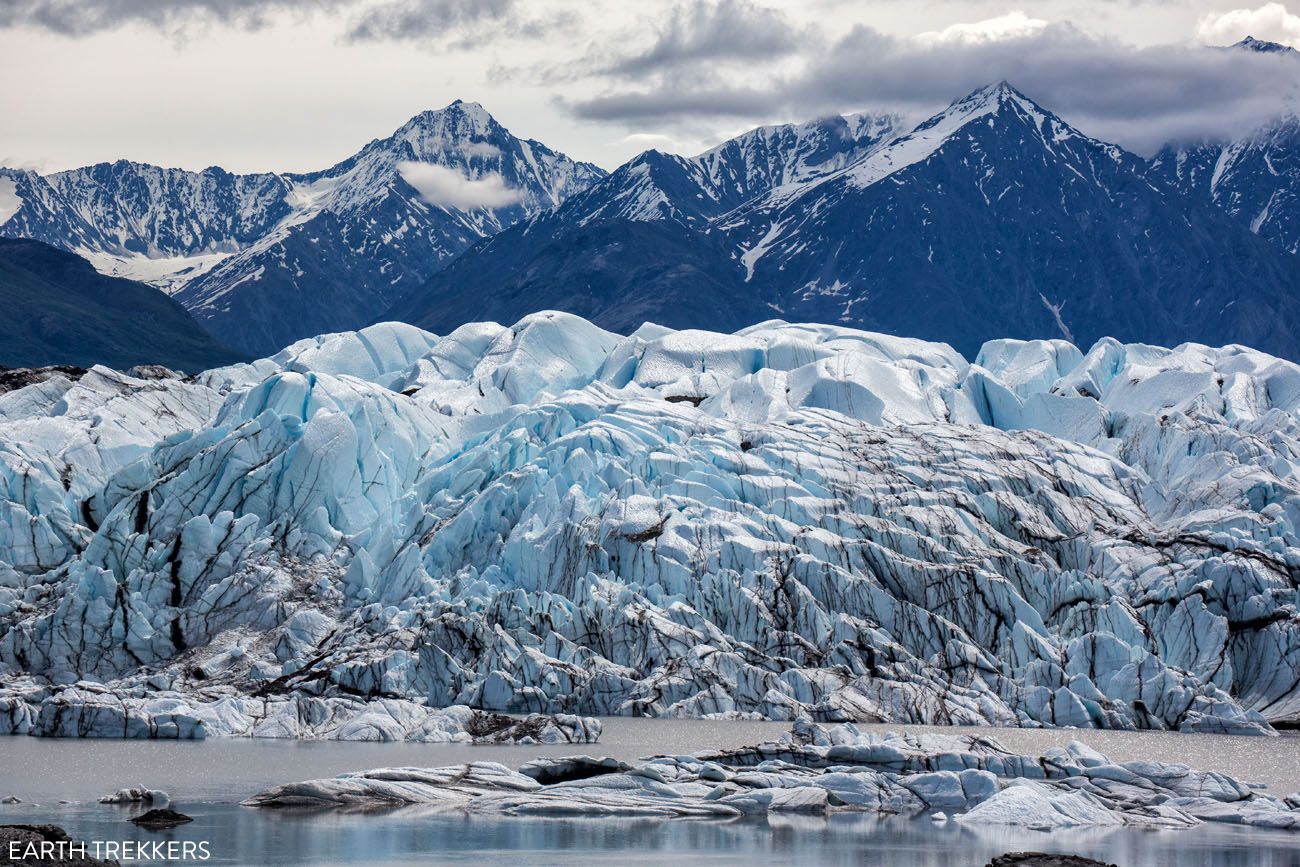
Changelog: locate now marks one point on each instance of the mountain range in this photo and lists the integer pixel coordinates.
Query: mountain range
(261, 260)
(993, 217)
(637, 246)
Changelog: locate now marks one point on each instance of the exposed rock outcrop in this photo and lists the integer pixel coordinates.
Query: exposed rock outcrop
(1044, 859)
(46, 846)
(160, 818)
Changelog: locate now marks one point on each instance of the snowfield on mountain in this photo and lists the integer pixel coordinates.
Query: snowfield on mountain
(551, 518)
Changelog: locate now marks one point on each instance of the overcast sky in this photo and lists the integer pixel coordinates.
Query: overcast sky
(293, 85)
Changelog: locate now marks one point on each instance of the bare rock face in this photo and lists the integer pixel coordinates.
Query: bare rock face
(160, 818)
(1042, 859)
(390, 535)
(47, 845)
(12, 378)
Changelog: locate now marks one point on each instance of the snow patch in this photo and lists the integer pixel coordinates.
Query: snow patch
(168, 273)
(750, 257)
(10, 201)
(1055, 310)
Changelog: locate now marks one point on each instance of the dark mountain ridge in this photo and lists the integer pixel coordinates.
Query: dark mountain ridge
(61, 311)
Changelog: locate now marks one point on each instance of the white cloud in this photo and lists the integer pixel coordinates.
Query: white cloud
(1270, 22)
(481, 149)
(448, 188)
(649, 140)
(1013, 25)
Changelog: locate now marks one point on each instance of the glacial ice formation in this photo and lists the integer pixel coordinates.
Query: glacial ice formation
(817, 769)
(136, 795)
(93, 710)
(550, 518)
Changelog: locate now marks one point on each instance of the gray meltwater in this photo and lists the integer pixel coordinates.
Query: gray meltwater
(207, 779)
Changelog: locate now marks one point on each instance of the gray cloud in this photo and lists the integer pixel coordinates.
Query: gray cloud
(83, 17)
(681, 102)
(443, 20)
(694, 38)
(424, 19)
(712, 33)
(1138, 97)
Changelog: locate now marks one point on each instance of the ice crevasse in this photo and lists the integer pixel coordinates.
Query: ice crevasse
(554, 519)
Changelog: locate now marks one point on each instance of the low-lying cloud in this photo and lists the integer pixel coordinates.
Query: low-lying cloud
(448, 188)
(483, 149)
(1139, 97)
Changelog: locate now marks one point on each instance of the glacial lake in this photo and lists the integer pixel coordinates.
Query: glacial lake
(207, 779)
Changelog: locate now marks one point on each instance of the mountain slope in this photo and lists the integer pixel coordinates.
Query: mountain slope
(59, 310)
(619, 272)
(770, 156)
(1255, 179)
(992, 217)
(995, 215)
(141, 221)
(608, 253)
(261, 260)
(694, 190)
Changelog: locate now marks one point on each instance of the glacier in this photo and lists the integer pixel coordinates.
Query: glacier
(552, 519)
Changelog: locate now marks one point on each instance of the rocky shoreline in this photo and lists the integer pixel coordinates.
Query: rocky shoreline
(48, 846)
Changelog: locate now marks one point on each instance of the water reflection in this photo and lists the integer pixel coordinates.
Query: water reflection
(419, 836)
(206, 779)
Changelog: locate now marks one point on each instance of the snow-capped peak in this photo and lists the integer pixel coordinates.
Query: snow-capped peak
(696, 190)
(789, 153)
(462, 129)
(1250, 43)
(929, 136)
(991, 103)
(990, 99)
(472, 114)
